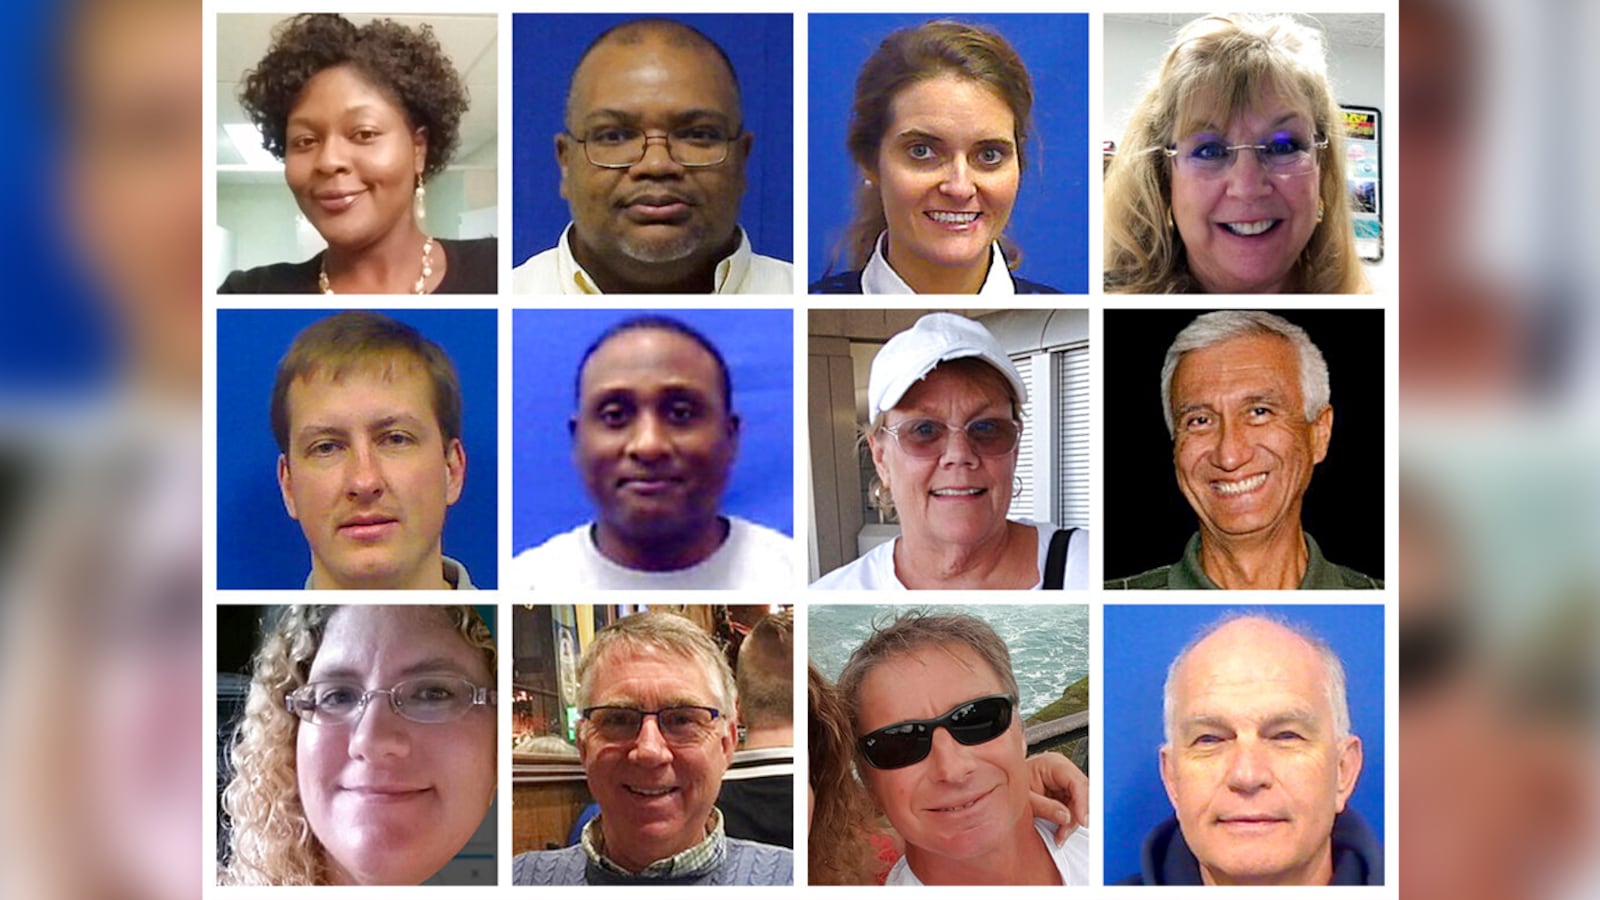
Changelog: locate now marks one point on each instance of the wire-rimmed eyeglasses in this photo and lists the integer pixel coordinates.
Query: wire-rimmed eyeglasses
(925, 438)
(428, 700)
(621, 146)
(1285, 154)
(677, 724)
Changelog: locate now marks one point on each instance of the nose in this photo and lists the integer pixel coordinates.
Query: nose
(378, 731)
(948, 760)
(1247, 176)
(1233, 447)
(649, 438)
(957, 449)
(1249, 769)
(332, 155)
(364, 474)
(958, 184)
(650, 747)
(657, 159)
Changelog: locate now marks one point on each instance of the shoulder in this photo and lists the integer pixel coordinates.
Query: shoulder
(564, 866)
(843, 283)
(1153, 580)
(1024, 286)
(537, 273)
(755, 535)
(549, 564)
(474, 266)
(277, 278)
(1072, 857)
(750, 862)
(1355, 580)
(768, 275)
(865, 573)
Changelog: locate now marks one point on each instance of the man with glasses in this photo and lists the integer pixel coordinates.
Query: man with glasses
(942, 751)
(658, 730)
(1246, 394)
(653, 168)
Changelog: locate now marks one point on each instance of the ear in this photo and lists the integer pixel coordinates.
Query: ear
(583, 744)
(742, 145)
(728, 739)
(572, 425)
(1350, 758)
(1168, 777)
(419, 152)
(564, 152)
(735, 424)
(1321, 431)
(877, 448)
(455, 470)
(286, 486)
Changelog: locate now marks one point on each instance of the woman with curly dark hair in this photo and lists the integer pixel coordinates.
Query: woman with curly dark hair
(362, 117)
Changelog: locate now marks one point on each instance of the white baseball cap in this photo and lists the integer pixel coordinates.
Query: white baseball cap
(912, 354)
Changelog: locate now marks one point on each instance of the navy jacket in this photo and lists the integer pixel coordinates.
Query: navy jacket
(1167, 859)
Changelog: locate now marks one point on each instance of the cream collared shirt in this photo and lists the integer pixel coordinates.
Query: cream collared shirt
(556, 271)
(880, 278)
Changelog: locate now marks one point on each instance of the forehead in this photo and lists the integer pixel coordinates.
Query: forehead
(398, 384)
(1247, 109)
(385, 642)
(343, 87)
(940, 675)
(1257, 363)
(952, 107)
(646, 358)
(660, 74)
(1249, 669)
(641, 672)
(965, 381)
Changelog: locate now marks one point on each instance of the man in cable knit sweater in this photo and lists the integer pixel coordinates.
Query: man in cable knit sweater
(657, 733)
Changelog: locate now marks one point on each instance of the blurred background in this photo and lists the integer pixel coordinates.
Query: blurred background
(1493, 237)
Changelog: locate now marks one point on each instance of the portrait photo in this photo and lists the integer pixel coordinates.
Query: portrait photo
(1019, 195)
(380, 508)
(1256, 739)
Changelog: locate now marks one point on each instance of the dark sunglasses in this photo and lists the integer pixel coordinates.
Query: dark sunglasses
(908, 743)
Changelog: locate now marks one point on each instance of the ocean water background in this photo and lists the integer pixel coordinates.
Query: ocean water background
(1049, 643)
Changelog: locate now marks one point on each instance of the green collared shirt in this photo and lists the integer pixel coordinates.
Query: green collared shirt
(1187, 575)
(703, 856)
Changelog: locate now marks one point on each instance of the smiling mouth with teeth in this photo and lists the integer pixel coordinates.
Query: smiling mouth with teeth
(1251, 229)
(959, 492)
(965, 806)
(650, 792)
(1243, 486)
(953, 218)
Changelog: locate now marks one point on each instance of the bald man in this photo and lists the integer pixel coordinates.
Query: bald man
(1259, 764)
(653, 168)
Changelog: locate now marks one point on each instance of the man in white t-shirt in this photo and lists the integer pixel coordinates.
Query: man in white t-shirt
(654, 438)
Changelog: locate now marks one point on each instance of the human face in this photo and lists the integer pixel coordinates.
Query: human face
(655, 797)
(368, 476)
(352, 159)
(948, 172)
(1244, 229)
(391, 800)
(958, 498)
(1243, 450)
(652, 438)
(1255, 769)
(655, 223)
(960, 802)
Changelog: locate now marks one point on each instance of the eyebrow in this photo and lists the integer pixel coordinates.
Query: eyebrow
(432, 664)
(919, 134)
(1215, 131)
(687, 115)
(1304, 718)
(314, 430)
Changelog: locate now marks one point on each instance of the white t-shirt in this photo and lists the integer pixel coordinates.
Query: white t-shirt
(875, 570)
(1072, 858)
(556, 271)
(753, 556)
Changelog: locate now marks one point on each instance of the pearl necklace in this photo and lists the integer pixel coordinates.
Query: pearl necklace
(421, 286)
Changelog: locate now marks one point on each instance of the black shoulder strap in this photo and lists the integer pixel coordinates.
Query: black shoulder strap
(1055, 563)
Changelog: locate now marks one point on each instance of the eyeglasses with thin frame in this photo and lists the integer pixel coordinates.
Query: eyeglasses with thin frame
(677, 724)
(908, 743)
(1285, 154)
(623, 146)
(429, 700)
(925, 438)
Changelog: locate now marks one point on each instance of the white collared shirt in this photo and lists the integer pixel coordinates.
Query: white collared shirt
(556, 271)
(880, 278)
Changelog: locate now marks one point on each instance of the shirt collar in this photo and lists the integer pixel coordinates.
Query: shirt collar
(731, 274)
(702, 857)
(880, 278)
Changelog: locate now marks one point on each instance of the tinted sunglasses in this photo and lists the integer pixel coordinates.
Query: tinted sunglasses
(908, 743)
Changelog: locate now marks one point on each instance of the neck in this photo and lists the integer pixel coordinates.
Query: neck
(662, 553)
(617, 273)
(927, 278)
(1318, 871)
(773, 736)
(388, 265)
(429, 576)
(1019, 858)
(1274, 561)
(1005, 559)
(636, 856)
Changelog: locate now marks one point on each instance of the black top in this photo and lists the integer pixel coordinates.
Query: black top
(850, 283)
(472, 270)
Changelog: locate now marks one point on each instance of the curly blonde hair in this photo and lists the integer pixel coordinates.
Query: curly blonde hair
(1218, 66)
(843, 817)
(270, 837)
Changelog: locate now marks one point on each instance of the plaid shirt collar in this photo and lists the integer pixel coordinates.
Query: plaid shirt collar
(702, 857)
